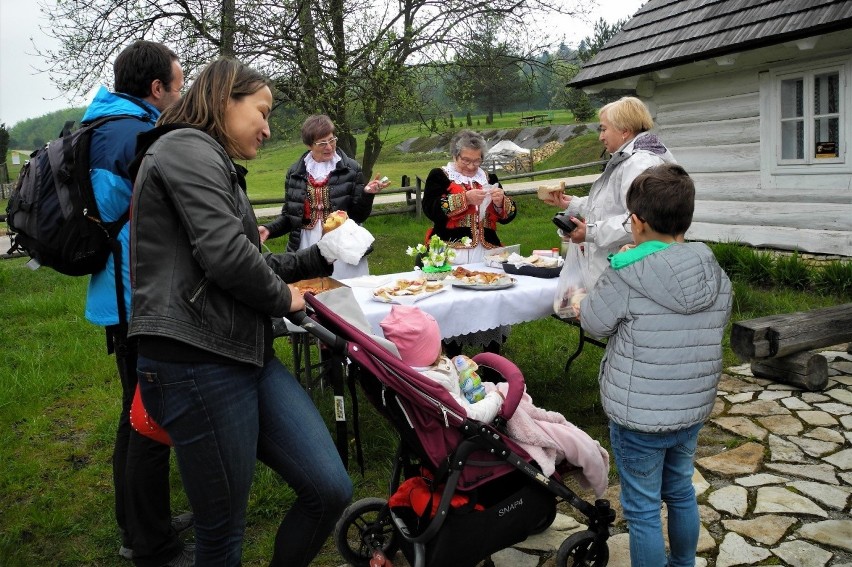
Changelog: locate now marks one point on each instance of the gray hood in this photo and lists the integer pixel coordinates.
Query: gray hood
(686, 278)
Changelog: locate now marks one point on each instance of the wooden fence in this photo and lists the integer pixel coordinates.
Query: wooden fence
(413, 192)
(413, 199)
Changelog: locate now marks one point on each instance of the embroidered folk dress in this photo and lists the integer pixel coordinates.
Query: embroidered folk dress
(317, 205)
(444, 203)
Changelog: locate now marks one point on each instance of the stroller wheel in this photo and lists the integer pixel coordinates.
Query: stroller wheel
(365, 526)
(582, 548)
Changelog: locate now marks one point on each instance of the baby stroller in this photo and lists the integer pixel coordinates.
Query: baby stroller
(483, 493)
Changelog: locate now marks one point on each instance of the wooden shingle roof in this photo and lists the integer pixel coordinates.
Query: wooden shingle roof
(666, 33)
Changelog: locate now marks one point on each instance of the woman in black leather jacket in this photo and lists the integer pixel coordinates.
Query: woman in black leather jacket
(324, 180)
(203, 296)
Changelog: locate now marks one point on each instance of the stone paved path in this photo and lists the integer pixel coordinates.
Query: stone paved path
(773, 478)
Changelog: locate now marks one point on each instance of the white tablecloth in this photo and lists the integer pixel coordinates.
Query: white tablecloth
(461, 311)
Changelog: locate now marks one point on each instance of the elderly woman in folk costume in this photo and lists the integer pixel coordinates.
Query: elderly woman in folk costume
(322, 181)
(461, 199)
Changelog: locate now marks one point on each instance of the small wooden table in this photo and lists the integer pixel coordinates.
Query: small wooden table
(535, 119)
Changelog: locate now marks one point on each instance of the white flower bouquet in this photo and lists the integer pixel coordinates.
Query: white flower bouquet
(437, 256)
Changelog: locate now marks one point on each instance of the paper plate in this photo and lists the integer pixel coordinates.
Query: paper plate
(404, 299)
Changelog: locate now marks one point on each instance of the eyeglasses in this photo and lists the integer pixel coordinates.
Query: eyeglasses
(626, 222)
(470, 162)
(324, 143)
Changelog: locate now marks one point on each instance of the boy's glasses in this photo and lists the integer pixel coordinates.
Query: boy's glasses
(626, 224)
(325, 143)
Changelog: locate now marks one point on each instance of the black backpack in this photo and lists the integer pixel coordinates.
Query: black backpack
(52, 213)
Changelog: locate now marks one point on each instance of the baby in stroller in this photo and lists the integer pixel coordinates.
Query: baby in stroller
(547, 436)
(417, 337)
(478, 479)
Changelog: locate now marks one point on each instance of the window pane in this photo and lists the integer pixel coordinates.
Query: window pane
(793, 140)
(826, 93)
(791, 98)
(826, 135)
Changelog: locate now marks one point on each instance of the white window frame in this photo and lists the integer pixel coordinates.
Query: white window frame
(771, 118)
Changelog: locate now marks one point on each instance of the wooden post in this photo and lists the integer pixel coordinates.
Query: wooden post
(418, 199)
(781, 335)
(406, 182)
(807, 370)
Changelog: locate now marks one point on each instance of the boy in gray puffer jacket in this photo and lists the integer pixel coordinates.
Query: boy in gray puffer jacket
(664, 304)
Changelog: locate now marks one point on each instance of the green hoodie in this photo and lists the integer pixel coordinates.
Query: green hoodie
(633, 255)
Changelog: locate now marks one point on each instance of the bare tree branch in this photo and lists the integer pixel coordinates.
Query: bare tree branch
(345, 58)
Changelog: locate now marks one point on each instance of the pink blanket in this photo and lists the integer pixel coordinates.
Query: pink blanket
(549, 438)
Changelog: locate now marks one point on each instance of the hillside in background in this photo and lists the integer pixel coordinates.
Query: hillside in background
(526, 137)
(33, 133)
(408, 151)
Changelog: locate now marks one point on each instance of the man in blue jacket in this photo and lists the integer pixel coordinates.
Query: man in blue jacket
(148, 78)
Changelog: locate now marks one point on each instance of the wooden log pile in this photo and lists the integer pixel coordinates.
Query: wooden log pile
(782, 347)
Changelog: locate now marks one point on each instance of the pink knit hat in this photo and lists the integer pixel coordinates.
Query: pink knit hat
(415, 334)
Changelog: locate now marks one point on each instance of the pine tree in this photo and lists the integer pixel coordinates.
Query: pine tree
(583, 109)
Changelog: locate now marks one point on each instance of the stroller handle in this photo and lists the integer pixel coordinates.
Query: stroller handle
(513, 376)
(332, 341)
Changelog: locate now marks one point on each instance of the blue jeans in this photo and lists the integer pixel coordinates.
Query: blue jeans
(655, 468)
(222, 418)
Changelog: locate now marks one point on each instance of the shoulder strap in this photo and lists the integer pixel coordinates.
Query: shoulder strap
(88, 195)
(118, 269)
(66, 129)
(82, 156)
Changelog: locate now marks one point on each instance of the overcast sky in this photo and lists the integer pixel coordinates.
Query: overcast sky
(24, 93)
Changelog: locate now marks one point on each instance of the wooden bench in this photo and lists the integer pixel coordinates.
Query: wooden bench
(779, 347)
(535, 119)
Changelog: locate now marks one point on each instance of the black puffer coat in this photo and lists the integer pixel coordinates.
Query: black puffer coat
(345, 191)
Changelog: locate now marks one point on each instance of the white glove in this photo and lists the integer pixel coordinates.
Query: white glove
(346, 243)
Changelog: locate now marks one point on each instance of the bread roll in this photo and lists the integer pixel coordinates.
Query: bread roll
(334, 220)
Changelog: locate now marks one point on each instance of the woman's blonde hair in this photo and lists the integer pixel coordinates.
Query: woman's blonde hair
(204, 104)
(628, 113)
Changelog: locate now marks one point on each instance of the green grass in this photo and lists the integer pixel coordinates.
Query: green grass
(766, 269)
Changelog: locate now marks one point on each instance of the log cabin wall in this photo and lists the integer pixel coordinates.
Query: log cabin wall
(710, 118)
